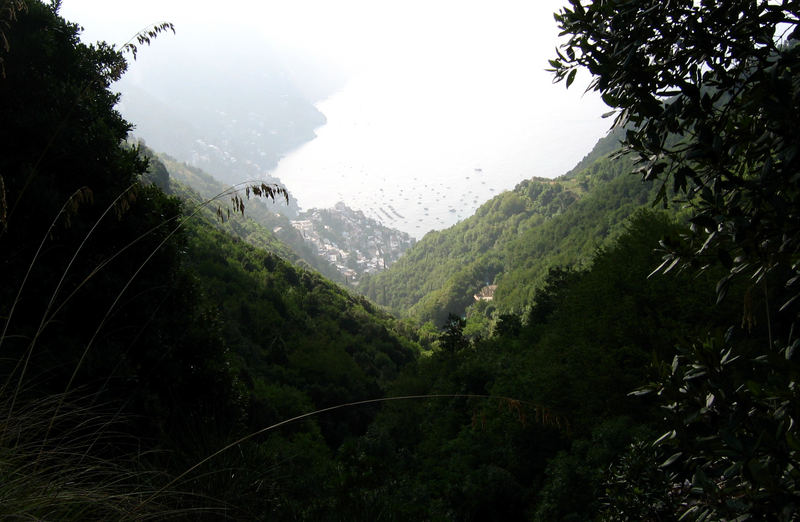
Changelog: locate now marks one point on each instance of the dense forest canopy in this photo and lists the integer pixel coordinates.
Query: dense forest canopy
(643, 369)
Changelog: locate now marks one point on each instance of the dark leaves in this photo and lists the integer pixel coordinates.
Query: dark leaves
(146, 36)
(571, 77)
(260, 190)
(712, 99)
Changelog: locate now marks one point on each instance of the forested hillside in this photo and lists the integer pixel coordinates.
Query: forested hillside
(641, 365)
(340, 243)
(256, 226)
(562, 412)
(138, 337)
(514, 239)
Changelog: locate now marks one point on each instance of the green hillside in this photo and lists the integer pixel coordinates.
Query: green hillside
(159, 364)
(139, 336)
(514, 239)
(542, 450)
(259, 226)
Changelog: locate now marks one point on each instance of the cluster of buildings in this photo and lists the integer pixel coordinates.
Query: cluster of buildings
(352, 242)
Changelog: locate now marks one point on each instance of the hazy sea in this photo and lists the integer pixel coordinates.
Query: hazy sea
(419, 157)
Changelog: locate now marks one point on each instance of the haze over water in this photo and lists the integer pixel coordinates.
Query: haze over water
(444, 104)
(419, 153)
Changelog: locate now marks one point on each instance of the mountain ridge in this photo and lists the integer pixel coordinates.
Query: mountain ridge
(340, 243)
(514, 239)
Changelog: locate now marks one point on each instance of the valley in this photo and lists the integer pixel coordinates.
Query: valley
(614, 343)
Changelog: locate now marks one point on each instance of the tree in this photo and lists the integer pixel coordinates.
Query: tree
(709, 95)
(8, 14)
(93, 292)
(452, 339)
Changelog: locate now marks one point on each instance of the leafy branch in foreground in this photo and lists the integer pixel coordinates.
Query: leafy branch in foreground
(146, 36)
(710, 97)
(709, 94)
(258, 189)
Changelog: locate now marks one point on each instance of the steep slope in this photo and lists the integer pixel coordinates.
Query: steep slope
(286, 325)
(235, 116)
(138, 338)
(561, 411)
(340, 243)
(259, 226)
(513, 240)
(290, 327)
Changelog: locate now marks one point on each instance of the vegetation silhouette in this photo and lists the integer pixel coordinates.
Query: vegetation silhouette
(708, 107)
(149, 358)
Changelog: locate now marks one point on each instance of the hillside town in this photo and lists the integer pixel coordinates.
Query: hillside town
(352, 242)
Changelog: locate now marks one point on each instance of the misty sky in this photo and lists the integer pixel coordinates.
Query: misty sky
(450, 85)
(353, 34)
